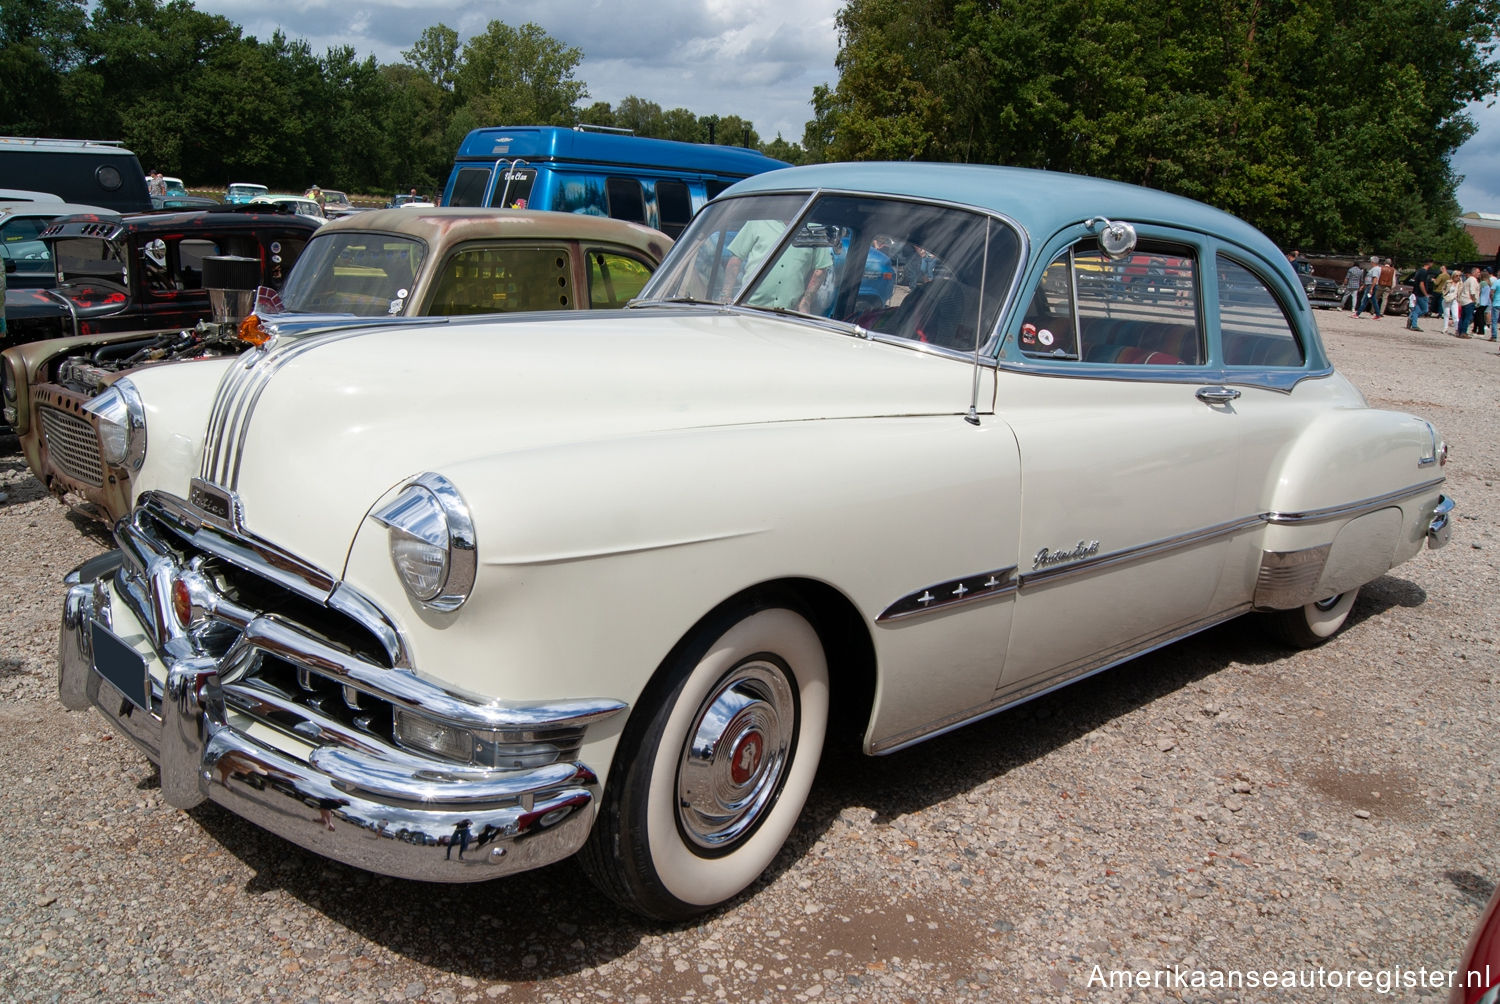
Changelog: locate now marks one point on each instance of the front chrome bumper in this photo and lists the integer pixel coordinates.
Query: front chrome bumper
(374, 807)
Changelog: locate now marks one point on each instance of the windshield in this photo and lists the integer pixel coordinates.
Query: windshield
(933, 274)
(89, 259)
(350, 272)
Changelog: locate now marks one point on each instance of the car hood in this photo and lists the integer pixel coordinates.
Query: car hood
(323, 426)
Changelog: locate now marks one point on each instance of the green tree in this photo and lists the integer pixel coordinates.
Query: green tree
(1325, 122)
(38, 48)
(435, 54)
(519, 75)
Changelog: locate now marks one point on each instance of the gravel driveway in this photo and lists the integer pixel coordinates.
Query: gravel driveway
(1219, 807)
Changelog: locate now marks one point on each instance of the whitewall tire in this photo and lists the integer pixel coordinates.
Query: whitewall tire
(715, 765)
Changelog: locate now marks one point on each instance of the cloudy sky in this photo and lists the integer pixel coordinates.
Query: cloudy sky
(759, 59)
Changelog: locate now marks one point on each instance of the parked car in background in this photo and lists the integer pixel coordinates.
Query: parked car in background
(183, 202)
(87, 172)
(455, 602)
(240, 193)
(336, 204)
(301, 205)
(145, 271)
(367, 268)
(174, 185)
(25, 256)
(1321, 292)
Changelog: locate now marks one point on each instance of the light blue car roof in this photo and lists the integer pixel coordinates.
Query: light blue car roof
(1043, 202)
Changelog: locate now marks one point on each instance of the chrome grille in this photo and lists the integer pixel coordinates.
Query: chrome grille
(73, 446)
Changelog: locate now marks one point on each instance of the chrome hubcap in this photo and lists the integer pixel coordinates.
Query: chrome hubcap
(1330, 603)
(737, 754)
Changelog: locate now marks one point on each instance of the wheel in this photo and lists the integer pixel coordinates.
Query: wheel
(1312, 624)
(713, 768)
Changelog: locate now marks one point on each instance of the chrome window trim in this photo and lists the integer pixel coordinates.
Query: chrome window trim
(1268, 378)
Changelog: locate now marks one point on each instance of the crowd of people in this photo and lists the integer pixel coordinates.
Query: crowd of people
(1464, 298)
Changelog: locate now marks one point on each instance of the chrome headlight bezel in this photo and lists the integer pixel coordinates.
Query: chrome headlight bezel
(431, 542)
(121, 422)
(10, 395)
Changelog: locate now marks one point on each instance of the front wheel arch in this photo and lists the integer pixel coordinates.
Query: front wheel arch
(633, 854)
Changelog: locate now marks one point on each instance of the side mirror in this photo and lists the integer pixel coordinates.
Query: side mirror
(1116, 240)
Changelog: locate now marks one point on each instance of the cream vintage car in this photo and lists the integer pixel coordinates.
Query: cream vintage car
(601, 583)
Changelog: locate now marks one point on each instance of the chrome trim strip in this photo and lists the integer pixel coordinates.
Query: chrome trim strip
(239, 393)
(1283, 381)
(1140, 552)
(953, 593)
(1058, 679)
(1352, 508)
(911, 605)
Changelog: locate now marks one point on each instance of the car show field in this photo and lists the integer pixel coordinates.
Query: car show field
(1220, 805)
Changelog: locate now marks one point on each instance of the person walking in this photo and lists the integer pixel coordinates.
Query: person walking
(1483, 304)
(1369, 296)
(1387, 283)
(1450, 300)
(1353, 280)
(1421, 289)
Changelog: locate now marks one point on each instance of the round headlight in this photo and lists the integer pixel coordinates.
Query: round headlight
(121, 420)
(10, 394)
(431, 541)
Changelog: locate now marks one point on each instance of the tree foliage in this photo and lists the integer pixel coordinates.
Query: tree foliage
(193, 96)
(1328, 123)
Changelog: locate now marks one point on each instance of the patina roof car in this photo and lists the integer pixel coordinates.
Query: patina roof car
(144, 271)
(602, 586)
(371, 265)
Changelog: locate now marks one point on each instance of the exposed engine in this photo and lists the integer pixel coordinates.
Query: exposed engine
(231, 282)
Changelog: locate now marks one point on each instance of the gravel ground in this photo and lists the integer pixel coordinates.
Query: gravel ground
(1222, 806)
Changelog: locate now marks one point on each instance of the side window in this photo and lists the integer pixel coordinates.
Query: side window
(1138, 310)
(190, 255)
(468, 186)
(673, 208)
(1255, 329)
(491, 280)
(626, 201)
(20, 242)
(512, 189)
(614, 278)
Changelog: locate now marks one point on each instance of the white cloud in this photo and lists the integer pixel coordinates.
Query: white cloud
(759, 59)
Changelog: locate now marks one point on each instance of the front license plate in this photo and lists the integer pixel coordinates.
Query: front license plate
(121, 665)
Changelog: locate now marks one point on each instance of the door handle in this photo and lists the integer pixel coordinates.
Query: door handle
(1217, 395)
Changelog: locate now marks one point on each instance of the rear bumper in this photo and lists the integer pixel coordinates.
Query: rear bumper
(379, 809)
(1441, 526)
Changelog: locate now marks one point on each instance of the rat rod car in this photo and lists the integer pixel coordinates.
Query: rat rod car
(376, 265)
(600, 583)
(144, 271)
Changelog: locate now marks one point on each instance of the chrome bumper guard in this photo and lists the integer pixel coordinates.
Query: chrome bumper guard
(1441, 527)
(351, 798)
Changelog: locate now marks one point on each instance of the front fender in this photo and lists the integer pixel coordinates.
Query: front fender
(596, 558)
